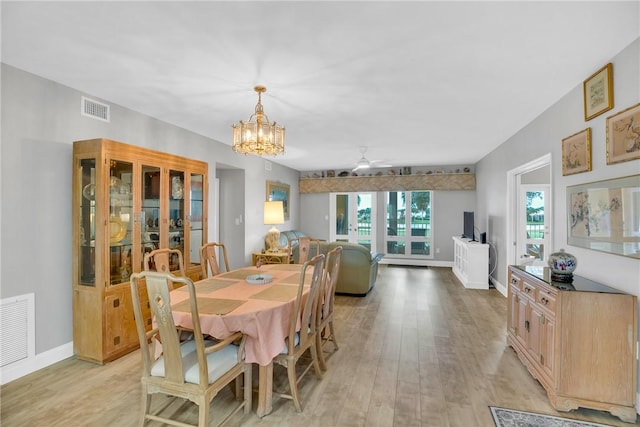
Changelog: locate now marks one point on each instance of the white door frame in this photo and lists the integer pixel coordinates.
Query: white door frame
(513, 184)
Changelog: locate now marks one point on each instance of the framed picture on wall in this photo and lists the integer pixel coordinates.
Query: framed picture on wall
(279, 192)
(605, 216)
(623, 135)
(576, 153)
(598, 92)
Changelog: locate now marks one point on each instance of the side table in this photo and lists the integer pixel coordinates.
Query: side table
(270, 257)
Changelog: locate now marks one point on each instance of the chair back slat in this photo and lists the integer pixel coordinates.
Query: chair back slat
(162, 260)
(305, 309)
(209, 258)
(303, 246)
(332, 268)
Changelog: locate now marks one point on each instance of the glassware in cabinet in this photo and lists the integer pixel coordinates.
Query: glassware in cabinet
(120, 220)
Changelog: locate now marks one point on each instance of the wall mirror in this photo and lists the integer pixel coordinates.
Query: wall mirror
(279, 192)
(605, 216)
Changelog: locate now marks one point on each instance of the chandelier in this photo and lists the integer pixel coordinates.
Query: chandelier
(258, 136)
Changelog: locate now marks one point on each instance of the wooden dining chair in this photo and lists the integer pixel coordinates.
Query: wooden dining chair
(325, 330)
(196, 369)
(304, 248)
(209, 259)
(298, 342)
(165, 260)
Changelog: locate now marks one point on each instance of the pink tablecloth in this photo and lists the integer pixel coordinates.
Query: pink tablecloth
(263, 314)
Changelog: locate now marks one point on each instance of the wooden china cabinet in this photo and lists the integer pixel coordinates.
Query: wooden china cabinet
(127, 201)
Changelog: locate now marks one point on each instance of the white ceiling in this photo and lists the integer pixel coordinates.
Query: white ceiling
(419, 83)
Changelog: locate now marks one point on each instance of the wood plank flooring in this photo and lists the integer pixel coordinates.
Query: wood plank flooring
(419, 350)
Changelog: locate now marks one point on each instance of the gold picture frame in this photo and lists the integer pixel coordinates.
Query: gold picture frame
(576, 153)
(598, 92)
(277, 191)
(623, 135)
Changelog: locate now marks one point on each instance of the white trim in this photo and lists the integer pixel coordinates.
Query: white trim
(499, 286)
(40, 361)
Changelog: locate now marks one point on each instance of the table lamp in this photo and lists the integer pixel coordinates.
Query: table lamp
(273, 215)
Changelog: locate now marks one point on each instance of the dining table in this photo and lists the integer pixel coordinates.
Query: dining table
(256, 301)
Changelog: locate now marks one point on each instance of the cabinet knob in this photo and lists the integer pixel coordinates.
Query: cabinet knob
(544, 301)
(527, 290)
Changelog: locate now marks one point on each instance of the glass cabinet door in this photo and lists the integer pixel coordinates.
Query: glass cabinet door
(196, 230)
(120, 220)
(87, 217)
(176, 214)
(150, 211)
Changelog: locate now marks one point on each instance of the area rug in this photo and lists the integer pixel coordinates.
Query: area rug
(512, 418)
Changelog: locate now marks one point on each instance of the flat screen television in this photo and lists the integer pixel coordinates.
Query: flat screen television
(468, 226)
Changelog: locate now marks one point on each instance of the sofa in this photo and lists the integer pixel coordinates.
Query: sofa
(358, 265)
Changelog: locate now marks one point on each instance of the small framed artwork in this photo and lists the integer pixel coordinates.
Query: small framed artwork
(279, 192)
(598, 92)
(623, 135)
(576, 153)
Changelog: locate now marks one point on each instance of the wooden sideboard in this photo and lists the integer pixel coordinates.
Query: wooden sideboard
(577, 339)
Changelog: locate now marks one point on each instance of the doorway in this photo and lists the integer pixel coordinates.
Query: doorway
(532, 175)
(532, 239)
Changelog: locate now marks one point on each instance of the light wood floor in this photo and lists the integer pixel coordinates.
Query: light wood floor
(419, 350)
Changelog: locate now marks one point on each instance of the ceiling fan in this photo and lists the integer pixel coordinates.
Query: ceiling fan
(365, 163)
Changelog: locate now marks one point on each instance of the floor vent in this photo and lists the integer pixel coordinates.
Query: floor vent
(96, 110)
(17, 329)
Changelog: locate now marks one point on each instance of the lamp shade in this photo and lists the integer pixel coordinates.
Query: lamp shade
(273, 213)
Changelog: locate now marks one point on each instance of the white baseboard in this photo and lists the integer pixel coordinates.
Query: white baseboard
(499, 286)
(416, 262)
(42, 360)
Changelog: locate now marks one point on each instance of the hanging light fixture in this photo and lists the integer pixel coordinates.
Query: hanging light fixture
(258, 136)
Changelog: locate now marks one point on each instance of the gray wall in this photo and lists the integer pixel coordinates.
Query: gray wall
(40, 120)
(544, 135)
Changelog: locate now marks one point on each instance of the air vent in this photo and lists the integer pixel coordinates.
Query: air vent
(96, 110)
(17, 329)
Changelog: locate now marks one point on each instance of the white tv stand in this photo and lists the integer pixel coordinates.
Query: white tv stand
(471, 263)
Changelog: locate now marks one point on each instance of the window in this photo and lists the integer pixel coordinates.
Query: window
(408, 234)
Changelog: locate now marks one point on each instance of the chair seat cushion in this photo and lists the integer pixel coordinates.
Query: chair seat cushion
(296, 341)
(218, 363)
